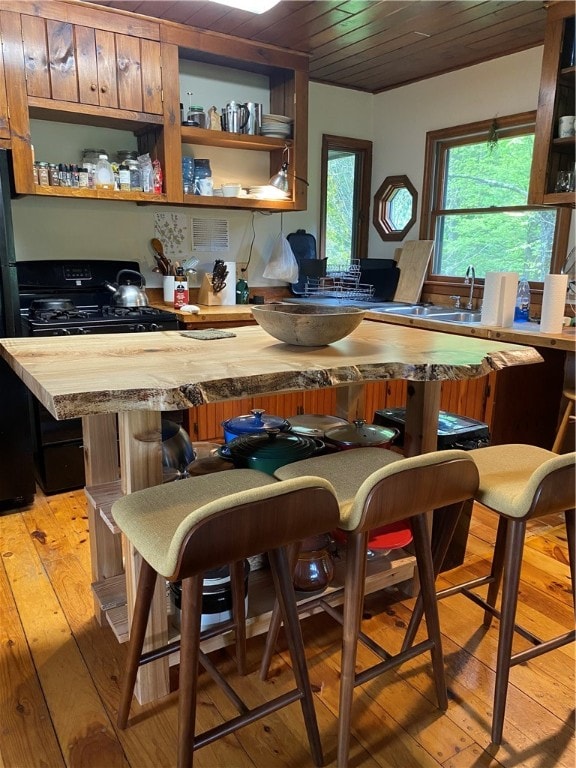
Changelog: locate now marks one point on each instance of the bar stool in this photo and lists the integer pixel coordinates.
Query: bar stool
(185, 528)
(375, 487)
(567, 417)
(518, 482)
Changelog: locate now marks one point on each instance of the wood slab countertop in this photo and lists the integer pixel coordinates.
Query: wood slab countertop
(77, 376)
(519, 333)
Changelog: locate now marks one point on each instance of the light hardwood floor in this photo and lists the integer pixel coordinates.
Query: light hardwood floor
(60, 671)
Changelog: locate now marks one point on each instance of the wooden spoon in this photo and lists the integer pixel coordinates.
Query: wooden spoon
(162, 260)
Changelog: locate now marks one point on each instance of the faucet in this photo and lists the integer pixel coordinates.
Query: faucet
(470, 280)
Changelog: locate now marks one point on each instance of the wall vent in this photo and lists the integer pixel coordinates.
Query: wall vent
(210, 235)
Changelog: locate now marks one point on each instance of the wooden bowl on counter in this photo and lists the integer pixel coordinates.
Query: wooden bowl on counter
(308, 325)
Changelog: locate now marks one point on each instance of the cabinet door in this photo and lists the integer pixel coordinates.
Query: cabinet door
(76, 63)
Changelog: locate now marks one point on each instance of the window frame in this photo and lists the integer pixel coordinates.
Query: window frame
(362, 148)
(437, 144)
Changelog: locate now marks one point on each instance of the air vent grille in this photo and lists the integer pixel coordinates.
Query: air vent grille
(211, 235)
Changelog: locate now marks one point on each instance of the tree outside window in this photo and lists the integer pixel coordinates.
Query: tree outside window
(475, 203)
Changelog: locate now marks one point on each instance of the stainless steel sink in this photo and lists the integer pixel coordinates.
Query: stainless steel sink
(460, 317)
(416, 310)
(439, 314)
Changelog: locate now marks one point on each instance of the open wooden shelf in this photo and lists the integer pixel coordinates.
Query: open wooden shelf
(226, 140)
(382, 571)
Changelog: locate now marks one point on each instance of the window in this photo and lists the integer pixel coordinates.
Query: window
(475, 202)
(345, 200)
(394, 208)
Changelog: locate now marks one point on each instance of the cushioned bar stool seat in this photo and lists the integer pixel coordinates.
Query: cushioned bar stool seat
(186, 528)
(376, 487)
(518, 482)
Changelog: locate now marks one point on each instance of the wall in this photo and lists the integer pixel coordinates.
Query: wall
(402, 117)
(396, 121)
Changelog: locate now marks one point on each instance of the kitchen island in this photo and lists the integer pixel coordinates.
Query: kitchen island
(129, 380)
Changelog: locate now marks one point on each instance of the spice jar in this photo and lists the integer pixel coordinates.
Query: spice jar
(43, 174)
(54, 175)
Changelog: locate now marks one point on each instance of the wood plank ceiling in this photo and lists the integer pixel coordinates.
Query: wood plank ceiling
(371, 45)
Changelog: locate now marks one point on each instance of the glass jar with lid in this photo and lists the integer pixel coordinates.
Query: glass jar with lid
(196, 117)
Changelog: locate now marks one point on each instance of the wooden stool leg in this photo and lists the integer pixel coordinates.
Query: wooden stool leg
(512, 566)
(282, 575)
(239, 613)
(449, 517)
(276, 619)
(569, 516)
(430, 604)
(144, 595)
(353, 602)
(497, 568)
(563, 427)
(191, 618)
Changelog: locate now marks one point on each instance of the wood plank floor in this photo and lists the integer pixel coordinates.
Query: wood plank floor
(60, 672)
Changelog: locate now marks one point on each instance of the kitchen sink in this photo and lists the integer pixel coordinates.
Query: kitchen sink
(440, 314)
(415, 310)
(460, 317)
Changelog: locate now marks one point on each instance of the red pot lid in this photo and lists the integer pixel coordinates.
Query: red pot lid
(391, 536)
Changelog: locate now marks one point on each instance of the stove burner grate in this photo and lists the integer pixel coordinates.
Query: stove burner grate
(57, 315)
(130, 312)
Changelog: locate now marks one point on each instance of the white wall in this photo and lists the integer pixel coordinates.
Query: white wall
(396, 121)
(402, 117)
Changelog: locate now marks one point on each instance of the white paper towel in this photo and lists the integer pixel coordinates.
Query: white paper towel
(509, 289)
(499, 298)
(553, 303)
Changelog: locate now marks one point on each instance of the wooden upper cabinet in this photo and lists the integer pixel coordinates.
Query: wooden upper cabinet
(75, 63)
(553, 153)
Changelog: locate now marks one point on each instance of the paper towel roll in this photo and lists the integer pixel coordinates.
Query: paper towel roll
(490, 314)
(499, 298)
(553, 303)
(509, 289)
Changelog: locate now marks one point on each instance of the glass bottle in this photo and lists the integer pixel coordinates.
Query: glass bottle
(103, 174)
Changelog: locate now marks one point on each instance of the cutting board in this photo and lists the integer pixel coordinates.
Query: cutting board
(413, 263)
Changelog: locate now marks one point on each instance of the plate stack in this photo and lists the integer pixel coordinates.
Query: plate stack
(266, 192)
(277, 126)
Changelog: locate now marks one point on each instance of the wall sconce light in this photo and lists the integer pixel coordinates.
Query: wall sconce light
(281, 180)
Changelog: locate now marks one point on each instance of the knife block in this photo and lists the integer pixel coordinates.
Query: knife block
(225, 297)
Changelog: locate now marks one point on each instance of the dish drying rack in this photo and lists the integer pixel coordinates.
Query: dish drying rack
(340, 283)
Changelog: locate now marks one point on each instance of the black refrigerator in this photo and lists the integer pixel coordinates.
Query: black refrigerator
(17, 484)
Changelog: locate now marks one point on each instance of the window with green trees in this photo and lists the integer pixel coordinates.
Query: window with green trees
(475, 203)
(345, 200)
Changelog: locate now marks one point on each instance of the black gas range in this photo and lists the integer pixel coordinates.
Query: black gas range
(63, 298)
(69, 298)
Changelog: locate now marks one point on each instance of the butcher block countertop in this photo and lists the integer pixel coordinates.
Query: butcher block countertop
(81, 375)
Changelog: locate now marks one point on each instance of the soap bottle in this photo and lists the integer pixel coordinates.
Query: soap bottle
(522, 309)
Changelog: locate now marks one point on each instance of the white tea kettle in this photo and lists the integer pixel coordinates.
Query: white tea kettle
(127, 294)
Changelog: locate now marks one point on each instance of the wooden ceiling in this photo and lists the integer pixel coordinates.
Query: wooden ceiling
(371, 45)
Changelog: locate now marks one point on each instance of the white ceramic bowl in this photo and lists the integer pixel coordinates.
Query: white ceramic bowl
(231, 190)
(307, 325)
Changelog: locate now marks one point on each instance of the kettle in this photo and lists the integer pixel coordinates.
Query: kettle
(127, 294)
(234, 117)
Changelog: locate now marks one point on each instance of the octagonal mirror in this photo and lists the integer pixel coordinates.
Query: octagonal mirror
(395, 208)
